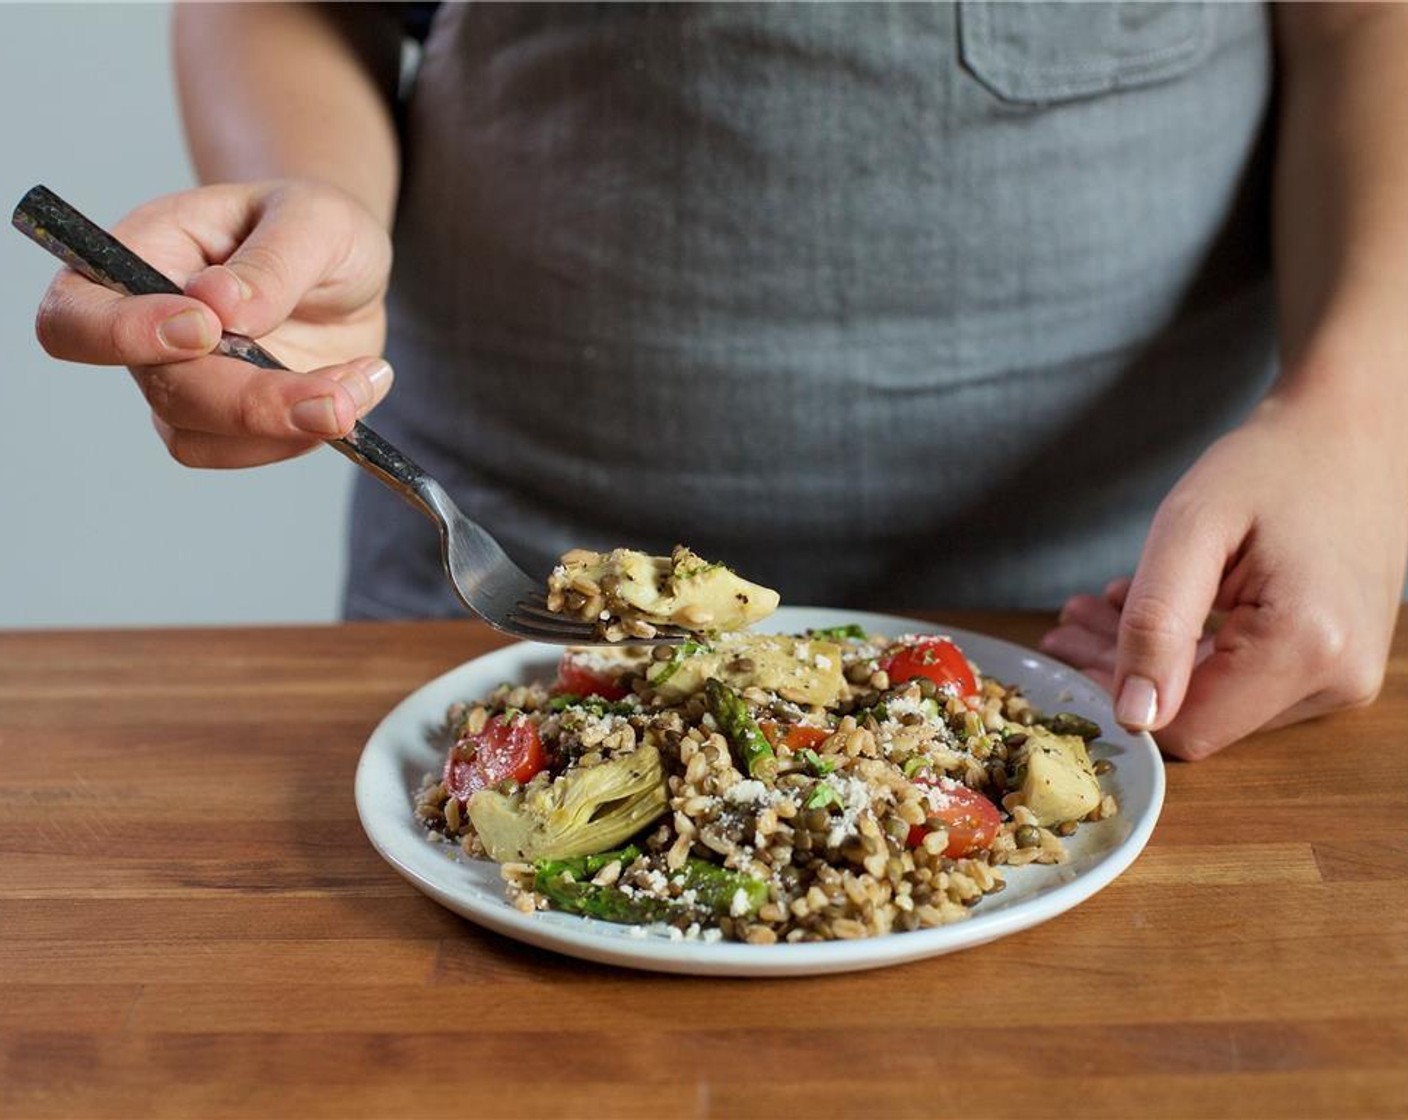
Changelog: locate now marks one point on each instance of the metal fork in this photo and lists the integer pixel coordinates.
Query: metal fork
(486, 580)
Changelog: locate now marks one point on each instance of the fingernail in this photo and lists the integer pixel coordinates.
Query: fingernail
(367, 382)
(380, 375)
(245, 291)
(317, 416)
(187, 330)
(1138, 703)
(358, 386)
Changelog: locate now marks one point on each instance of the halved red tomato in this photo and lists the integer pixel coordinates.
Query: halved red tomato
(971, 819)
(508, 747)
(794, 736)
(937, 659)
(577, 676)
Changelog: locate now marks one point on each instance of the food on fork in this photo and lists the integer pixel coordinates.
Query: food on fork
(764, 788)
(628, 594)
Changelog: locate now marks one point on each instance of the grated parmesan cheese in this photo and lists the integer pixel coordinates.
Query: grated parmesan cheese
(855, 800)
(750, 791)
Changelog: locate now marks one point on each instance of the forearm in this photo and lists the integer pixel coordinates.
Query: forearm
(291, 91)
(1341, 216)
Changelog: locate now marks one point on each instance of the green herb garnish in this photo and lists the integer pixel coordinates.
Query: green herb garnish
(841, 633)
(822, 796)
(819, 766)
(698, 570)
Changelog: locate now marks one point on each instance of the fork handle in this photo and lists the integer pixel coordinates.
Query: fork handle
(54, 225)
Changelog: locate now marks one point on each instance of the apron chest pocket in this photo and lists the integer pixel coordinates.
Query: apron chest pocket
(1035, 53)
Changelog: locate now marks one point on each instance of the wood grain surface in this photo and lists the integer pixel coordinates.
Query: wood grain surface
(193, 924)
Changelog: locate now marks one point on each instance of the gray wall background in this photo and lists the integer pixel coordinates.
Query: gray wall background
(98, 526)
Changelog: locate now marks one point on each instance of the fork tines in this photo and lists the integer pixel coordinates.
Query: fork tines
(531, 616)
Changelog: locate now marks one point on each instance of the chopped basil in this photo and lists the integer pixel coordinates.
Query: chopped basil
(819, 766)
(841, 633)
(822, 796)
(697, 570)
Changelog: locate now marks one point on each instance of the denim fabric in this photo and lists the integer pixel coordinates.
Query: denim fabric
(913, 305)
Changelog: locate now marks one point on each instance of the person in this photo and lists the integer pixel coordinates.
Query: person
(913, 305)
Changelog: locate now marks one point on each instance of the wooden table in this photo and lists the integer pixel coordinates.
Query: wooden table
(192, 924)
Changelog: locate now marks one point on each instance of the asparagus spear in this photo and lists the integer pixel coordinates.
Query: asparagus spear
(566, 883)
(610, 903)
(584, 867)
(741, 729)
(715, 887)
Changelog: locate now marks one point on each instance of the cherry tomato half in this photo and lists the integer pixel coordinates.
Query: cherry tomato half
(795, 736)
(938, 659)
(508, 747)
(971, 819)
(578, 677)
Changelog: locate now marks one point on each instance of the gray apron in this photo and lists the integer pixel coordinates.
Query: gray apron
(884, 305)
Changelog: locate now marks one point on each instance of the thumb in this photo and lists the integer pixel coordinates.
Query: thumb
(1162, 620)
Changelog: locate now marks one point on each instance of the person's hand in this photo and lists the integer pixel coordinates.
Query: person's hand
(1289, 534)
(301, 266)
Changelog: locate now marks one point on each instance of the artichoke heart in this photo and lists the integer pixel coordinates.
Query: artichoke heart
(1060, 782)
(803, 670)
(581, 813)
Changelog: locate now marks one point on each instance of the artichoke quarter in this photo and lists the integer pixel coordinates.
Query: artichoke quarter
(581, 813)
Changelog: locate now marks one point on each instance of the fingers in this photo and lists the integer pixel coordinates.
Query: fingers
(206, 451)
(1092, 612)
(1254, 677)
(1162, 618)
(1085, 636)
(80, 322)
(1274, 662)
(284, 247)
(220, 412)
(1117, 591)
(1085, 649)
(83, 322)
(300, 241)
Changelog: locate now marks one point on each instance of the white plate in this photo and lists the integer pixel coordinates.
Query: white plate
(400, 753)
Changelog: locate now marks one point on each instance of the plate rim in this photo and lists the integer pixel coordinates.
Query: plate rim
(581, 938)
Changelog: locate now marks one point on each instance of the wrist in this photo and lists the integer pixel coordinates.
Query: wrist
(1355, 395)
(1349, 369)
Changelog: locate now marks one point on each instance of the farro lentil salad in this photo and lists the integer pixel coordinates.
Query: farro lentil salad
(833, 784)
